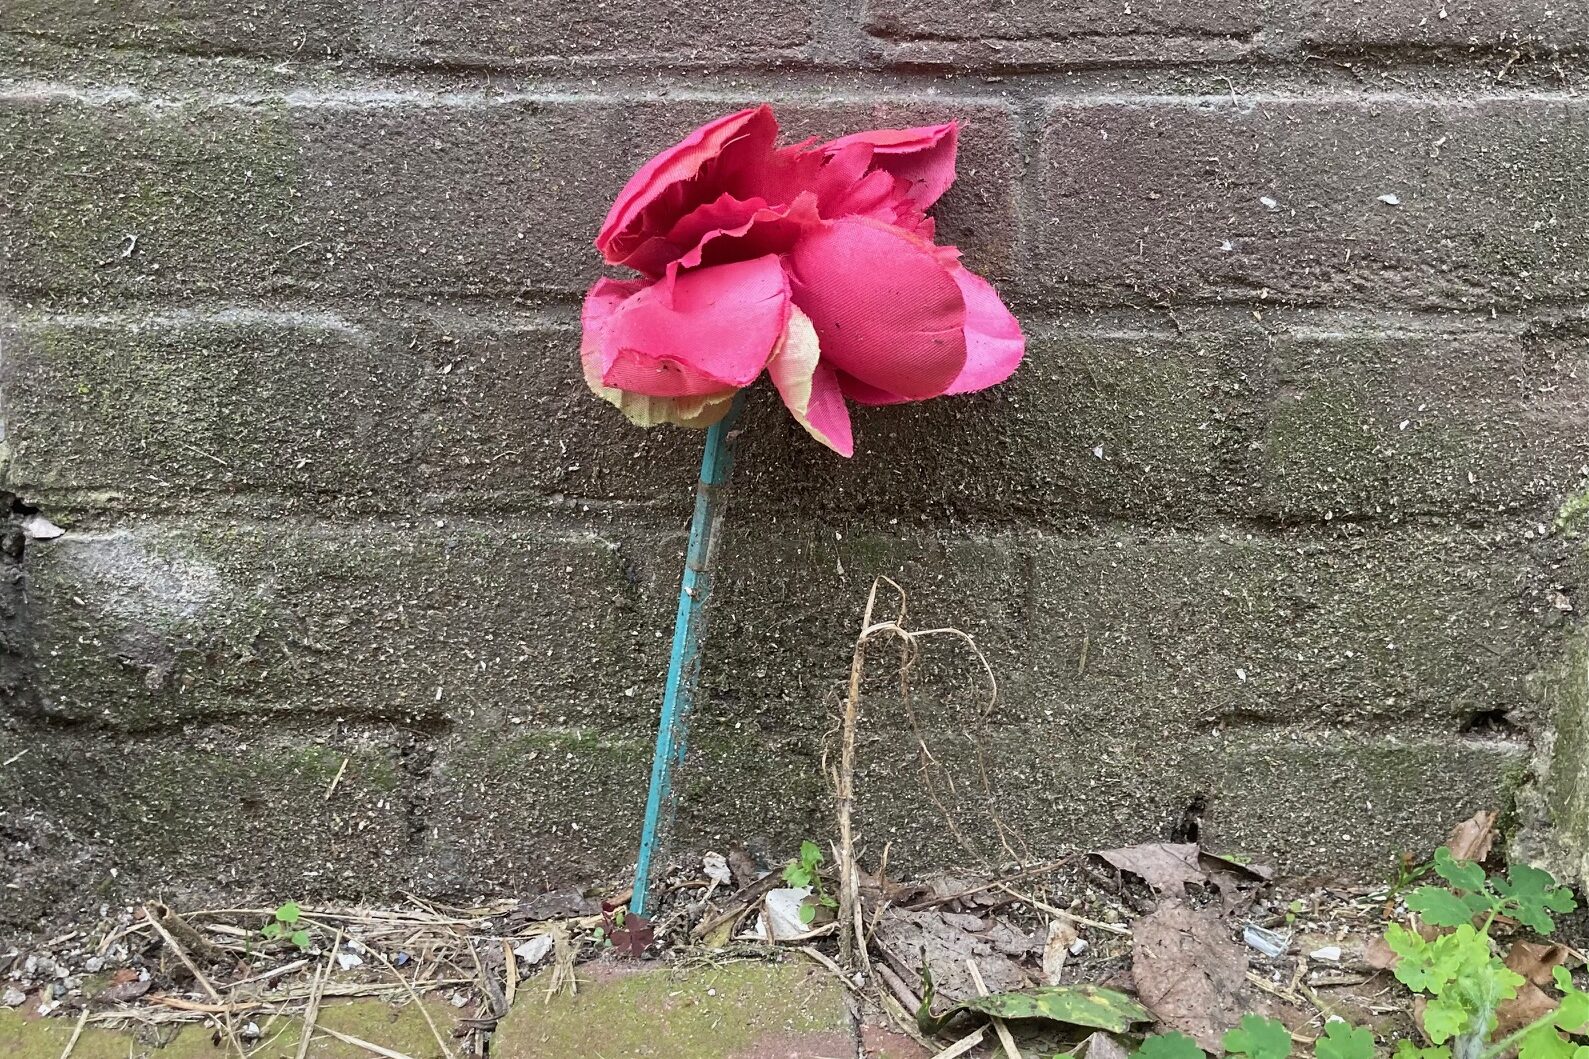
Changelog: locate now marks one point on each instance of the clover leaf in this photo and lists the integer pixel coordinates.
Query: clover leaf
(1259, 1038)
(1173, 1045)
(1342, 1040)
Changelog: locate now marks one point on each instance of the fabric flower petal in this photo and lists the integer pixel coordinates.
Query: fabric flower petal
(924, 156)
(601, 301)
(633, 232)
(861, 393)
(697, 332)
(810, 388)
(770, 230)
(994, 344)
(886, 311)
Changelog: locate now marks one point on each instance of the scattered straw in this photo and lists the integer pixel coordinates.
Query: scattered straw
(962, 1046)
(373, 1049)
(77, 1031)
(198, 976)
(337, 779)
(1005, 1040)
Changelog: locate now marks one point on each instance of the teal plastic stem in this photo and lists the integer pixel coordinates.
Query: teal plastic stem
(689, 633)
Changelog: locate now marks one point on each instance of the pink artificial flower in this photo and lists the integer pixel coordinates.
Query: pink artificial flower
(814, 263)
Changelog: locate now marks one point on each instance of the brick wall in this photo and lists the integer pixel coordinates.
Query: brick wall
(1267, 524)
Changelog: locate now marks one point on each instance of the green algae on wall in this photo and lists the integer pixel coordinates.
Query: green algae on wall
(1566, 779)
(721, 1013)
(400, 1029)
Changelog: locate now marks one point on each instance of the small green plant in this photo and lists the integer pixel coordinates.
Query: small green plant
(1463, 975)
(806, 870)
(286, 923)
(1460, 972)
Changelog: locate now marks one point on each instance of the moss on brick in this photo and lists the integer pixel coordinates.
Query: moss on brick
(1572, 519)
(206, 191)
(401, 1029)
(1566, 784)
(721, 1013)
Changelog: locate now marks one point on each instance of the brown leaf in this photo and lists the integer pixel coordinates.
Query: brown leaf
(125, 991)
(743, 866)
(1472, 839)
(1061, 936)
(1536, 962)
(1165, 866)
(904, 936)
(1214, 863)
(1189, 971)
(1530, 1003)
(1378, 955)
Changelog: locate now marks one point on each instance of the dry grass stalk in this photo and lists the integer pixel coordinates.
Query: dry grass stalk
(77, 1031)
(962, 1046)
(373, 1049)
(435, 1031)
(313, 1012)
(198, 976)
(1007, 1041)
(852, 933)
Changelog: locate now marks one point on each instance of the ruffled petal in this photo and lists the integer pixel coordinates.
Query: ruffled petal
(732, 150)
(643, 410)
(697, 332)
(810, 388)
(886, 311)
(924, 157)
(994, 343)
(770, 230)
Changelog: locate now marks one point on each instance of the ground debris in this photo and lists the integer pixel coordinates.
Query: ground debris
(1189, 971)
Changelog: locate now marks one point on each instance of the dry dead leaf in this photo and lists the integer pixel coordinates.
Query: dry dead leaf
(1061, 936)
(125, 991)
(1165, 866)
(1100, 1046)
(903, 935)
(1472, 839)
(1536, 962)
(1530, 1003)
(1189, 971)
(1378, 955)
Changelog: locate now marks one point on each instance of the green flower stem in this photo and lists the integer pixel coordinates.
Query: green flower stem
(1508, 1042)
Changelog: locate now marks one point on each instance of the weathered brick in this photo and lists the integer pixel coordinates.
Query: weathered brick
(1136, 421)
(149, 408)
(515, 32)
(1347, 802)
(1157, 198)
(224, 811)
(509, 422)
(123, 199)
(470, 408)
(1422, 630)
(300, 28)
(466, 193)
(532, 807)
(1031, 32)
(1299, 800)
(1466, 25)
(158, 624)
(788, 602)
(1558, 805)
(1402, 424)
(552, 806)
